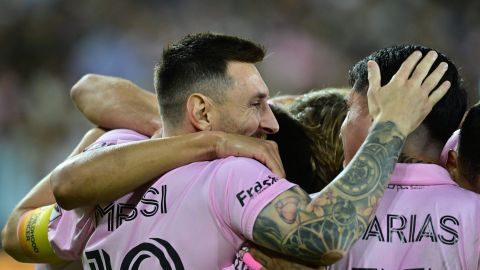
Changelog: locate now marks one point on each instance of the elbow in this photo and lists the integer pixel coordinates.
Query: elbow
(10, 242)
(62, 188)
(6, 243)
(81, 89)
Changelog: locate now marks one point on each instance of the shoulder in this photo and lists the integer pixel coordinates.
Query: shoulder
(123, 134)
(116, 136)
(241, 162)
(466, 196)
(240, 166)
(455, 197)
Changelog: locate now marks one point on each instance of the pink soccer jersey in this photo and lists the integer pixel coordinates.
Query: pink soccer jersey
(194, 217)
(424, 221)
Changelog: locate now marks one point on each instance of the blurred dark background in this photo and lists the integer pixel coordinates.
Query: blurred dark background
(46, 46)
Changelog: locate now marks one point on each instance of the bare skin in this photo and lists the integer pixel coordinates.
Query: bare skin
(40, 195)
(329, 223)
(319, 231)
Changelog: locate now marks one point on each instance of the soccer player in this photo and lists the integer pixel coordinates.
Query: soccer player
(286, 209)
(421, 223)
(239, 199)
(211, 145)
(425, 220)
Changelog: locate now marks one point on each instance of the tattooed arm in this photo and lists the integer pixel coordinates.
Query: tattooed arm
(322, 229)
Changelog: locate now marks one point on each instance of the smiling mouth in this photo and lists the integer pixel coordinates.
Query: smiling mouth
(260, 135)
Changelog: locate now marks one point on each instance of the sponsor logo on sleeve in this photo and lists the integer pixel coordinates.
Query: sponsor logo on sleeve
(256, 189)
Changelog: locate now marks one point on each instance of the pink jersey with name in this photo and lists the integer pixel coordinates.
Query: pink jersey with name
(193, 217)
(424, 221)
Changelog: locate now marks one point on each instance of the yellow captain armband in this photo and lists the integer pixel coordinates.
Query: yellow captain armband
(32, 234)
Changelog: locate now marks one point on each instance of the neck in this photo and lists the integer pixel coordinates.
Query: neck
(170, 130)
(404, 158)
(420, 148)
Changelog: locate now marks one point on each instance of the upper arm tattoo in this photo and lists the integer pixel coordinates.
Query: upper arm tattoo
(322, 229)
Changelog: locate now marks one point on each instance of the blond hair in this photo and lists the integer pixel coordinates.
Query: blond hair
(321, 113)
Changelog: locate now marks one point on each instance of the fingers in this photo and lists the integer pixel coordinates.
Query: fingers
(275, 168)
(374, 85)
(274, 162)
(432, 80)
(423, 68)
(439, 93)
(407, 66)
(262, 150)
(374, 78)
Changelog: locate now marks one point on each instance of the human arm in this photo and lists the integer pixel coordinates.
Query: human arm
(40, 195)
(321, 230)
(112, 102)
(104, 174)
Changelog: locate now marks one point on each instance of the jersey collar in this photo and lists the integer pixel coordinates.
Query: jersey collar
(420, 174)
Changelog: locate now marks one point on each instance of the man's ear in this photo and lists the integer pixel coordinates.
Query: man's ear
(198, 110)
(452, 164)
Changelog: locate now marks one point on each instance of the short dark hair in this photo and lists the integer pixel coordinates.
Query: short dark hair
(198, 63)
(446, 115)
(469, 145)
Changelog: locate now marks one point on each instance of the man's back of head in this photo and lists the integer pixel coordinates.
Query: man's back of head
(446, 115)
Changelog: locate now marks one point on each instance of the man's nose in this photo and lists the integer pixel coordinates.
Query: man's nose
(269, 123)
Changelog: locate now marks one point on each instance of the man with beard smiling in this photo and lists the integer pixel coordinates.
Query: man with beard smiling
(213, 85)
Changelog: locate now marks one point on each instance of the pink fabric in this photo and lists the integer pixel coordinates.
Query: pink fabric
(251, 262)
(75, 265)
(452, 144)
(68, 231)
(195, 216)
(424, 221)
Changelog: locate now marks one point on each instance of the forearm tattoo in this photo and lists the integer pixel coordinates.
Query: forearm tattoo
(295, 225)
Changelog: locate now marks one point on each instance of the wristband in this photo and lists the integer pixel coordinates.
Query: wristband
(32, 233)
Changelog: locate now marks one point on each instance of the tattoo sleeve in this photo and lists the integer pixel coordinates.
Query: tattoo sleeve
(322, 229)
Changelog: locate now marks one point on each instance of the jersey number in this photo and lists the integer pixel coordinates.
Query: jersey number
(159, 249)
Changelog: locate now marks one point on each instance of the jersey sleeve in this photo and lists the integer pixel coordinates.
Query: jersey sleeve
(243, 188)
(116, 136)
(69, 231)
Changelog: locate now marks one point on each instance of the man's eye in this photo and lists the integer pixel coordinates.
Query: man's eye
(257, 104)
